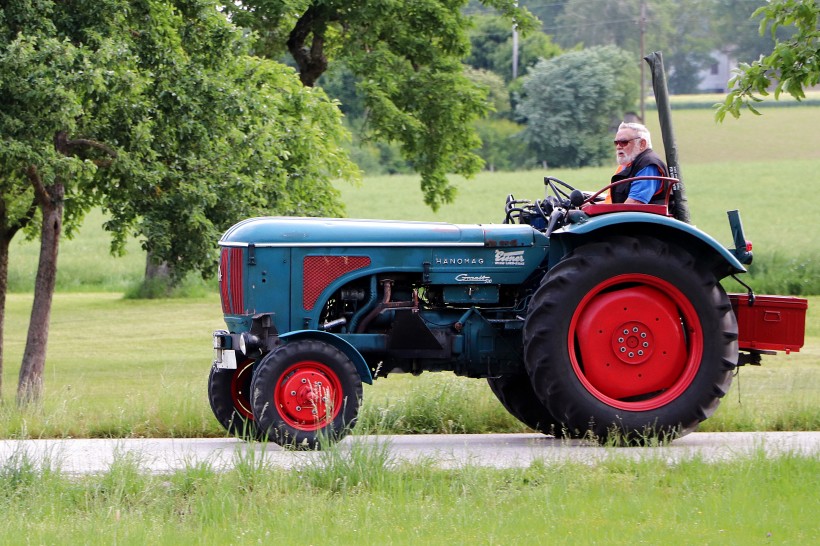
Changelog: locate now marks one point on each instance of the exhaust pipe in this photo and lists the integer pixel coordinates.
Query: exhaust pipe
(680, 210)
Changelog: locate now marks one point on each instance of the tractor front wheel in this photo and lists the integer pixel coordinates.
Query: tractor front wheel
(630, 339)
(229, 395)
(305, 391)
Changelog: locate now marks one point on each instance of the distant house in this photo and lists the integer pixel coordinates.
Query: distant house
(714, 78)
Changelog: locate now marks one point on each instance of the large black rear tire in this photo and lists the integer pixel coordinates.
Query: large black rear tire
(630, 339)
(516, 394)
(304, 392)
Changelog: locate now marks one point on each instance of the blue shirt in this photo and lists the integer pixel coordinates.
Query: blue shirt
(643, 190)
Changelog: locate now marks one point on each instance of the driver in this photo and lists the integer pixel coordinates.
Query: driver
(633, 150)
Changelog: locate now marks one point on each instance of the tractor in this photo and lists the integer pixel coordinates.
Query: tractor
(586, 318)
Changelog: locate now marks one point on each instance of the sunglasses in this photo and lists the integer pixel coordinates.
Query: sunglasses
(623, 143)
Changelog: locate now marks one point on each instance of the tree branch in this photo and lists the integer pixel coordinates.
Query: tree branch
(78, 142)
(41, 194)
(311, 60)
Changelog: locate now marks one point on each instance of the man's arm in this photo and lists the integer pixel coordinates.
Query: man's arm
(641, 191)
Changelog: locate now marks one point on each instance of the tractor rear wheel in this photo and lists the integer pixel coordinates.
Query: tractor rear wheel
(516, 394)
(630, 339)
(305, 391)
(229, 395)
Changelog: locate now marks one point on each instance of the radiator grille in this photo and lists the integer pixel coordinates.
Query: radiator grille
(320, 271)
(230, 281)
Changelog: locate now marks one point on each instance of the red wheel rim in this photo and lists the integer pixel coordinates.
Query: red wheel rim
(635, 342)
(308, 395)
(240, 385)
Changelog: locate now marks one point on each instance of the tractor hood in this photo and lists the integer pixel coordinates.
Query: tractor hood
(307, 232)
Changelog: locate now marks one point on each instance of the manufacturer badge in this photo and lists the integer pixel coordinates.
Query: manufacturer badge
(514, 257)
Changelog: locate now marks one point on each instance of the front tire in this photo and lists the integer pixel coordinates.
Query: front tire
(304, 391)
(629, 339)
(229, 396)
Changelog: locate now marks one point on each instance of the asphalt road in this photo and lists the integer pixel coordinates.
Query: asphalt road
(74, 456)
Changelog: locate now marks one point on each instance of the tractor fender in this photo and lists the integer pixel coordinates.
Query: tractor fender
(332, 339)
(595, 227)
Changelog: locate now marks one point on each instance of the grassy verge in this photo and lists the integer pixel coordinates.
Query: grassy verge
(133, 368)
(365, 498)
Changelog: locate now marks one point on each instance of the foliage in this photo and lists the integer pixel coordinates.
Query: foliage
(234, 136)
(503, 146)
(59, 79)
(733, 23)
(62, 85)
(155, 111)
(491, 45)
(193, 117)
(794, 62)
(569, 104)
(406, 56)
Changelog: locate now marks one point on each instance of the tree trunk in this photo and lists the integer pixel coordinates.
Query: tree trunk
(4, 284)
(310, 58)
(7, 233)
(50, 201)
(156, 270)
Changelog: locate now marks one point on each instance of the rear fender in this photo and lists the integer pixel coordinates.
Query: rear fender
(585, 229)
(331, 339)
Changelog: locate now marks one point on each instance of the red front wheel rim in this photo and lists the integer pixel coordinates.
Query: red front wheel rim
(635, 342)
(308, 395)
(240, 387)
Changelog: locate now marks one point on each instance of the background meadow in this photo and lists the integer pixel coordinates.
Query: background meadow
(122, 367)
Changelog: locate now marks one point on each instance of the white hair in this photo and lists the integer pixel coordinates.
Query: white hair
(642, 131)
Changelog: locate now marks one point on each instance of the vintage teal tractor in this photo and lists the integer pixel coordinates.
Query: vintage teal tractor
(586, 318)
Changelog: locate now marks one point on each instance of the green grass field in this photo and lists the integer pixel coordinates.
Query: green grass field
(366, 498)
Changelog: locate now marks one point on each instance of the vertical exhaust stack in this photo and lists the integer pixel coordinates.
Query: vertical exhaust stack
(680, 209)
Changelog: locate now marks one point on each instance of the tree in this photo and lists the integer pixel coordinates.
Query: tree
(571, 102)
(155, 111)
(234, 136)
(58, 87)
(407, 55)
(794, 63)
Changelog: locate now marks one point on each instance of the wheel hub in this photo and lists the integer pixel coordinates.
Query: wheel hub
(632, 342)
(305, 395)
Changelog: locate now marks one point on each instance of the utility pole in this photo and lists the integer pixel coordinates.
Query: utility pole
(642, 28)
(515, 51)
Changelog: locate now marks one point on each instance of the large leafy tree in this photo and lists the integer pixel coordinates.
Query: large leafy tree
(233, 136)
(792, 66)
(570, 103)
(60, 86)
(406, 56)
(154, 111)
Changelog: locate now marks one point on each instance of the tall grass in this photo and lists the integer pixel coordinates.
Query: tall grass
(135, 368)
(360, 498)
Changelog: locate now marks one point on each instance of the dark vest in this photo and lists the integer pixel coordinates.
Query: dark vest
(644, 159)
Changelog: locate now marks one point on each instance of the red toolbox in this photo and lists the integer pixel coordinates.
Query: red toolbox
(771, 323)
